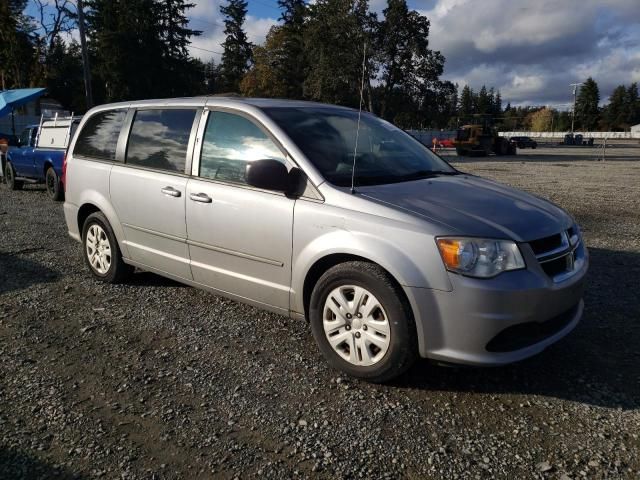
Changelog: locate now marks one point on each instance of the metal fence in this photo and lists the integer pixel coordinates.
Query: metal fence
(585, 135)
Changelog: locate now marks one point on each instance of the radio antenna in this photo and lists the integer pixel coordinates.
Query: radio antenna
(355, 149)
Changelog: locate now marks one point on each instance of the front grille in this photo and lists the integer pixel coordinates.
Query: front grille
(546, 244)
(524, 335)
(557, 254)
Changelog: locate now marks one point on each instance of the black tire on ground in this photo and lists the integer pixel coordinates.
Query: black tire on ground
(54, 187)
(118, 271)
(403, 347)
(461, 152)
(10, 177)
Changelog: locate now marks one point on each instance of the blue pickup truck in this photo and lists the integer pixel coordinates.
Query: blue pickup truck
(39, 156)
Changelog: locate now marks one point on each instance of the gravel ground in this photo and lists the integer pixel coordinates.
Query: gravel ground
(156, 380)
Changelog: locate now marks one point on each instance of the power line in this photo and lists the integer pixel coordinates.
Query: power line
(205, 49)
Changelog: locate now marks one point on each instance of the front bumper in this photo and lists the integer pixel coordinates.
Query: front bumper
(490, 322)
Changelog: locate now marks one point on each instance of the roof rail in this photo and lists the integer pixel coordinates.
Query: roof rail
(55, 118)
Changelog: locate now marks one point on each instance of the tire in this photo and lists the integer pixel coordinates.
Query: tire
(54, 187)
(10, 177)
(105, 264)
(384, 320)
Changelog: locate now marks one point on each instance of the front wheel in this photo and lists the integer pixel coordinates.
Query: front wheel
(362, 322)
(54, 187)
(101, 251)
(10, 175)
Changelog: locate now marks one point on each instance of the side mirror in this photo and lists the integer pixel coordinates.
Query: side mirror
(268, 174)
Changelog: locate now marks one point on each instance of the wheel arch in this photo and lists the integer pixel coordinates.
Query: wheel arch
(323, 264)
(48, 163)
(83, 213)
(94, 204)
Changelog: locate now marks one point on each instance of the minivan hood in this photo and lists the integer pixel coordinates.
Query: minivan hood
(474, 206)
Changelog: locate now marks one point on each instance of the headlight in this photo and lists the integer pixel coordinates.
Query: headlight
(479, 257)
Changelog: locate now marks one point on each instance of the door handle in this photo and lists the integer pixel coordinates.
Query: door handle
(200, 197)
(172, 192)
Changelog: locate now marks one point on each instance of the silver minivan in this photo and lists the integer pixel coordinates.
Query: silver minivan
(316, 212)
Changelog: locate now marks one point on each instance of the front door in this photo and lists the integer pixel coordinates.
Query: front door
(149, 190)
(22, 158)
(239, 237)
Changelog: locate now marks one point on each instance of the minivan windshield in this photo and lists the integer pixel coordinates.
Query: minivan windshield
(385, 154)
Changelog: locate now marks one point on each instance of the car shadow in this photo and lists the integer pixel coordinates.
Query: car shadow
(598, 363)
(22, 465)
(18, 273)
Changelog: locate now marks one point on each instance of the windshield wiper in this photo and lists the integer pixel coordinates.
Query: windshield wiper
(420, 174)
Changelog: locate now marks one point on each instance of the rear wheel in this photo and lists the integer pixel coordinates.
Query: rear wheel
(10, 175)
(54, 188)
(362, 322)
(101, 251)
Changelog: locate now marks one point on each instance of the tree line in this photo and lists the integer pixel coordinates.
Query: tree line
(622, 112)
(332, 51)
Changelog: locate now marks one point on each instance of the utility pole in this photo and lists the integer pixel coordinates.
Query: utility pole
(85, 57)
(575, 93)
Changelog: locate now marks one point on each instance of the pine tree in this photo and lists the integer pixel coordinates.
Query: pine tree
(128, 48)
(483, 101)
(175, 28)
(466, 103)
(616, 111)
(334, 38)
(632, 105)
(17, 51)
(237, 55)
(290, 61)
(405, 60)
(64, 78)
(587, 110)
(211, 77)
(497, 104)
(185, 75)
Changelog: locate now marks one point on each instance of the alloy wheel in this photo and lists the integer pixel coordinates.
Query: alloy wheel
(98, 249)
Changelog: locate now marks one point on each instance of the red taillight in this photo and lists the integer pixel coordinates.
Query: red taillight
(64, 172)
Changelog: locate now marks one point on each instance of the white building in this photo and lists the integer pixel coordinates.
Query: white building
(635, 128)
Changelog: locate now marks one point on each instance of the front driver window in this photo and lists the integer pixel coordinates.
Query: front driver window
(230, 142)
(25, 137)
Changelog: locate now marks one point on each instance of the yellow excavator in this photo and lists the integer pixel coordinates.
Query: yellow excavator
(479, 140)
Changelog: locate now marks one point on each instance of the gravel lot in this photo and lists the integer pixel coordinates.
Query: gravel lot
(156, 380)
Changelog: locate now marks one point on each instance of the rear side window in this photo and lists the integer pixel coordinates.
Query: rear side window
(99, 136)
(159, 139)
(230, 143)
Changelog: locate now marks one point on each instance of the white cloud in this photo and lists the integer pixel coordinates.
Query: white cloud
(531, 51)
